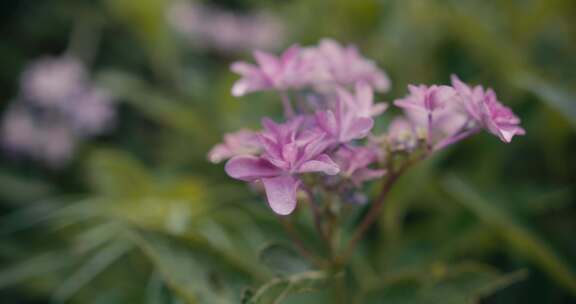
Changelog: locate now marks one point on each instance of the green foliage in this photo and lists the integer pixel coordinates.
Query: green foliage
(140, 216)
(466, 283)
(518, 236)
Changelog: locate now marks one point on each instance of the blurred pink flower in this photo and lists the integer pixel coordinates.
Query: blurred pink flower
(92, 112)
(402, 135)
(225, 31)
(354, 163)
(434, 111)
(344, 65)
(362, 102)
(280, 73)
(346, 122)
(57, 107)
(52, 81)
(242, 142)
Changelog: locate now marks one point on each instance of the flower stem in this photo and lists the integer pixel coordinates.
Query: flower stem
(370, 217)
(316, 214)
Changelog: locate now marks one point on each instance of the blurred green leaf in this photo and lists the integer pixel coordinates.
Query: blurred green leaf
(464, 283)
(194, 269)
(283, 260)
(519, 236)
(115, 173)
(558, 98)
(157, 106)
(276, 290)
(16, 188)
(32, 268)
(98, 263)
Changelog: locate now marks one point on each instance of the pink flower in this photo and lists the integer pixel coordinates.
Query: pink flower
(225, 31)
(362, 102)
(402, 135)
(354, 162)
(426, 98)
(287, 153)
(271, 72)
(53, 81)
(242, 142)
(487, 112)
(92, 112)
(434, 111)
(344, 65)
(350, 119)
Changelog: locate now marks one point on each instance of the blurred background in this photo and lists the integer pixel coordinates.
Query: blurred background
(109, 107)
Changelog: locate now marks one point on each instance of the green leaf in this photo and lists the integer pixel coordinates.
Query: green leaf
(116, 173)
(31, 268)
(193, 269)
(560, 99)
(17, 188)
(98, 263)
(283, 260)
(520, 237)
(464, 283)
(278, 289)
(158, 106)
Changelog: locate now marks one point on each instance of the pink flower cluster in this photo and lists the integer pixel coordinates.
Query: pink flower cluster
(326, 140)
(58, 105)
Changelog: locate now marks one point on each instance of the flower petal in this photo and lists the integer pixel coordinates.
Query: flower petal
(359, 128)
(281, 193)
(249, 168)
(322, 163)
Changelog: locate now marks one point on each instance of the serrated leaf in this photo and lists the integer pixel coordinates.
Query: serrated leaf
(278, 289)
(283, 260)
(196, 271)
(519, 236)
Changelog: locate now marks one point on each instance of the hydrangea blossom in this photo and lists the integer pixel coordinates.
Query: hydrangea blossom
(487, 112)
(287, 71)
(344, 65)
(288, 152)
(331, 136)
(328, 65)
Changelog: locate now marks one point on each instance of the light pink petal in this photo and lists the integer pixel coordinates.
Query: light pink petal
(269, 64)
(364, 95)
(218, 153)
(322, 163)
(241, 87)
(281, 193)
(243, 68)
(327, 121)
(378, 109)
(290, 54)
(359, 128)
(249, 168)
